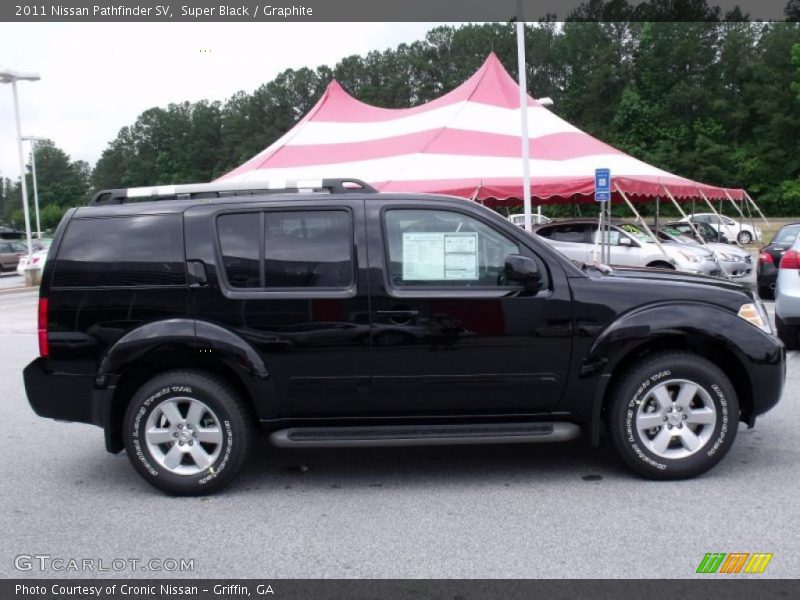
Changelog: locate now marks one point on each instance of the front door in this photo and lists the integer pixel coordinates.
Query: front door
(449, 334)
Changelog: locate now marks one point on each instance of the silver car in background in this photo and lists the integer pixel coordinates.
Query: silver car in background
(630, 246)
(787, 297)
(734, 262)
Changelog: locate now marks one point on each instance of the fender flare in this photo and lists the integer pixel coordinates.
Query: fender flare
(158, 334)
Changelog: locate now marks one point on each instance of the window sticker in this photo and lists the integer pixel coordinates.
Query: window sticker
(437, 256)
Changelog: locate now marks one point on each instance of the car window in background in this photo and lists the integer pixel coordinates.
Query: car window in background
(786, 235)
(637, 232)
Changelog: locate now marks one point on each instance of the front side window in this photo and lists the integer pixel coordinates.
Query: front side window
(140, 250)
(438, 248)
(300, 249)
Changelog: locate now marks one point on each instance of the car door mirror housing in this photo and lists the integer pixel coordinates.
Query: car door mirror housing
(624, 240)
(523, 271)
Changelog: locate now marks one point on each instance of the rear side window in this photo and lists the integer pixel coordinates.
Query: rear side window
(300, 249)
(141, 250)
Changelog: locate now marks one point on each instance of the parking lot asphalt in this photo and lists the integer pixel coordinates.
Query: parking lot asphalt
(516, 511)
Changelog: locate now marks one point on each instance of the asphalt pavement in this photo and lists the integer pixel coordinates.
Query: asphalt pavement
(524, 511)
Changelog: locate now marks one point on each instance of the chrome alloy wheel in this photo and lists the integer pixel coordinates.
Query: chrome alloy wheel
(676, 419)
(183, 435)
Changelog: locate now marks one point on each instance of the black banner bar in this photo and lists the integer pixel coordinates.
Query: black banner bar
(383, 11)
(752, 588)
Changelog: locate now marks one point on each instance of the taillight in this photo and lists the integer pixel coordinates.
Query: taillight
(790, 260)
(765, 257)
(36, 260)
(44, 346)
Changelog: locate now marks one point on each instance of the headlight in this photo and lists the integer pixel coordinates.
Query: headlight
(755, 314)
(690, 257)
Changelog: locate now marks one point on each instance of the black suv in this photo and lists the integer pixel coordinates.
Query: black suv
(181, 319)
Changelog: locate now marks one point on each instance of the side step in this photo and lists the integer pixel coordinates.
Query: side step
(424, 435)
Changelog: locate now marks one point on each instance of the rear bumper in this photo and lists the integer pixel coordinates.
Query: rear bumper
(63, 396)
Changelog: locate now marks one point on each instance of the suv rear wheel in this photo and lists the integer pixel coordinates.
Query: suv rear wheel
(187, 433)
(673, 416)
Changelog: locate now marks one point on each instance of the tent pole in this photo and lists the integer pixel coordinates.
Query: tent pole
(642, 223)
(736, 206)
(523, 115)
(753, 202)
(693, 226)
(713, 210)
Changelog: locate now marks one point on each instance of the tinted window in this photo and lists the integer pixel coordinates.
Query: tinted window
(301, 249)
(5, 247)
(122, 251)
(18, 247)
(443, 248)
(239, 238)
(308, 249)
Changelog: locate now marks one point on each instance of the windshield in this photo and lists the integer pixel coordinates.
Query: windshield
(637, 232)
(679, 236)
(786, 235)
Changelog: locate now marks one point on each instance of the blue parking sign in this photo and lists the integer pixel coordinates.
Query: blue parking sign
(602, 185)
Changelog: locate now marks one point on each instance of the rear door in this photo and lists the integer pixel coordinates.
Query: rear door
(449, 334)
(290, 280)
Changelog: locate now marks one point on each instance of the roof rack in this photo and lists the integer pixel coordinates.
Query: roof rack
(221, 189)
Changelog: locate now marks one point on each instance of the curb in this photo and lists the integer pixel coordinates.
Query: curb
(16, 290)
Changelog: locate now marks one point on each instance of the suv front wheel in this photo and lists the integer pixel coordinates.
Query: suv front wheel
(187, 433)
(673, 416)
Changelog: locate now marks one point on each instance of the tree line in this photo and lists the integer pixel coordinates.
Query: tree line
(715, 98)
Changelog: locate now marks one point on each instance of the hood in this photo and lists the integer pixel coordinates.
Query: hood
(677, 278)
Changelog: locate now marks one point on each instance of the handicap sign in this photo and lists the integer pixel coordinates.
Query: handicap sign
(602, 185)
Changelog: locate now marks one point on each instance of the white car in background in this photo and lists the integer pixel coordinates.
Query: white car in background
(41, 248)
(743, 233)
(536, 219)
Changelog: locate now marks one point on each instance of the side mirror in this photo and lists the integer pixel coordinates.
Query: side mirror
(624, 240)
(524, 271)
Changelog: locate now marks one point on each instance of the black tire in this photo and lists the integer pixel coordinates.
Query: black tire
(788, 334)
(766, 293)
(234, 429)
(744, 238)
(634, 388)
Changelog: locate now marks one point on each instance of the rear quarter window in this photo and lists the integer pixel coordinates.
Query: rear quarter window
(129, 251)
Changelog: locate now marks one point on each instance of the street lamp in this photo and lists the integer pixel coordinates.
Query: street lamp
(33, 139)
(12, 77)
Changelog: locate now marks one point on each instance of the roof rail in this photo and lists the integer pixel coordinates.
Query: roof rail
(222, 189)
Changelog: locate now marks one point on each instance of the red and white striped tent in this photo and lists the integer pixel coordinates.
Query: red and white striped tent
(465, 143)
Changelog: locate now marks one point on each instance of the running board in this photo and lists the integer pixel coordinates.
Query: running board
(424, 435)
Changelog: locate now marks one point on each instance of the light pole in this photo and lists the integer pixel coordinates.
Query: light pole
(12, 77)
(33, 139)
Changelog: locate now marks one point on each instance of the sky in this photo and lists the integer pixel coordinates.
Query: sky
(98, 77)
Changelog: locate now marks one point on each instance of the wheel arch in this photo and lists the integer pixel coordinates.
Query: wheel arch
(165, 346)
(718, 335)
